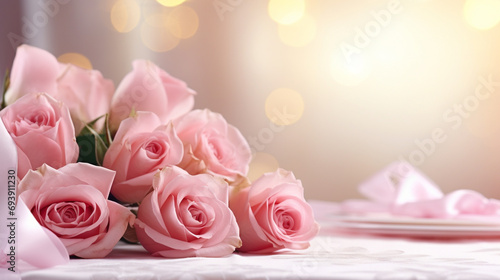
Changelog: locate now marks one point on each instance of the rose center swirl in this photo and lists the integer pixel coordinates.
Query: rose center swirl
(197, 215)
(69, 214)
(38, 119)
(285, 222)
(153, 148)
(215, 151)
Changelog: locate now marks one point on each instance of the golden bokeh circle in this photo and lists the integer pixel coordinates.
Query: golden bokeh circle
(482, 14)
(76, 59)
(286, 11)
(125, 15)
(183, 22)
(155, 34)
(170, 3)
(299, 33)
(261, 163)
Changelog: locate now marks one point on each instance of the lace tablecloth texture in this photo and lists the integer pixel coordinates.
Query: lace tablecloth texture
(331, 256)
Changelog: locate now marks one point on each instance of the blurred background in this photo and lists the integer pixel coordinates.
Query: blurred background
(333, 90)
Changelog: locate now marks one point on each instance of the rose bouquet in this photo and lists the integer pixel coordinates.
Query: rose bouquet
(98, 163)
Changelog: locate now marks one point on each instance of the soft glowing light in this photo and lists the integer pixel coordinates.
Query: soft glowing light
(284, 106)
(261, 163)
(298, 34)
(170, 3)
(125, 15)
(482, 14)
(350, 72)
(156, 36)
(76, 59)
(395, 46)
(286, 11)
(183, 22)
(479, 122)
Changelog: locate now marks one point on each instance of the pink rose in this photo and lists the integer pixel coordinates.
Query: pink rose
(213, 146)
(72, 203)
(43, 132)
(86, 93)
(149, 88)
(187, 216)
(33, 70)
(36, 70)
(141, 147)
(272, 214)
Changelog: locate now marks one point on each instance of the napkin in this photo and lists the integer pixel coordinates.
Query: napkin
(400, 189)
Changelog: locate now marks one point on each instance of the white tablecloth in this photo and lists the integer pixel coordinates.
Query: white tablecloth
(331, 256)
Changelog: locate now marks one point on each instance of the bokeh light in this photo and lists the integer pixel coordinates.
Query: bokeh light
(76, 59)
(182, 22)
(155, 34)
(284, 106)
(170, 3)
(350, 71)
(299, 33)
(286, 11)
(125, 15)
(261, 163)
(482, 14)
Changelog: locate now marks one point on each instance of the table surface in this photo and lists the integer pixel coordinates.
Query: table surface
(331, 256)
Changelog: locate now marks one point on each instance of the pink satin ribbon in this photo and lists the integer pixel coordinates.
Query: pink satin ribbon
(400, 189)
(25, 241)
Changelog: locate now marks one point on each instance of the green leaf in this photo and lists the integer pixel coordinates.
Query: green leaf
(6, 84)
(100, 150)
(86, 143)
(91, 124)
(109, 138)
(93, 146)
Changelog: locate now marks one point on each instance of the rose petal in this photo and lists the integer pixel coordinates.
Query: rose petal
(272, 214)
(51, 154)
(78, 87)
(129, 157)
(101, 178)
(212, 145)
(75, 245)
(56, 144)
(281, 181)
(153, 216)
(149, 88)
(152, 240)
(182, 216)
(33, 70)
(83, 193)
(119, 218)
(253, 237)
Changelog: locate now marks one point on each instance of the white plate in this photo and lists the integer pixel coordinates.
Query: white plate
(471, 227)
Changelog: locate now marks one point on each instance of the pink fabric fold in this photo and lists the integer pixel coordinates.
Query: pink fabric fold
(38, 246)
(22, 238)
(400, 189)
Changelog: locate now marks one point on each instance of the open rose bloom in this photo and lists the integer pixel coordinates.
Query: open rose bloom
(142, 146)
(273, 215)
(149, 88)
(43, 132)
(85, 92)
(72, 203)
(187, 216)
(212, 146)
